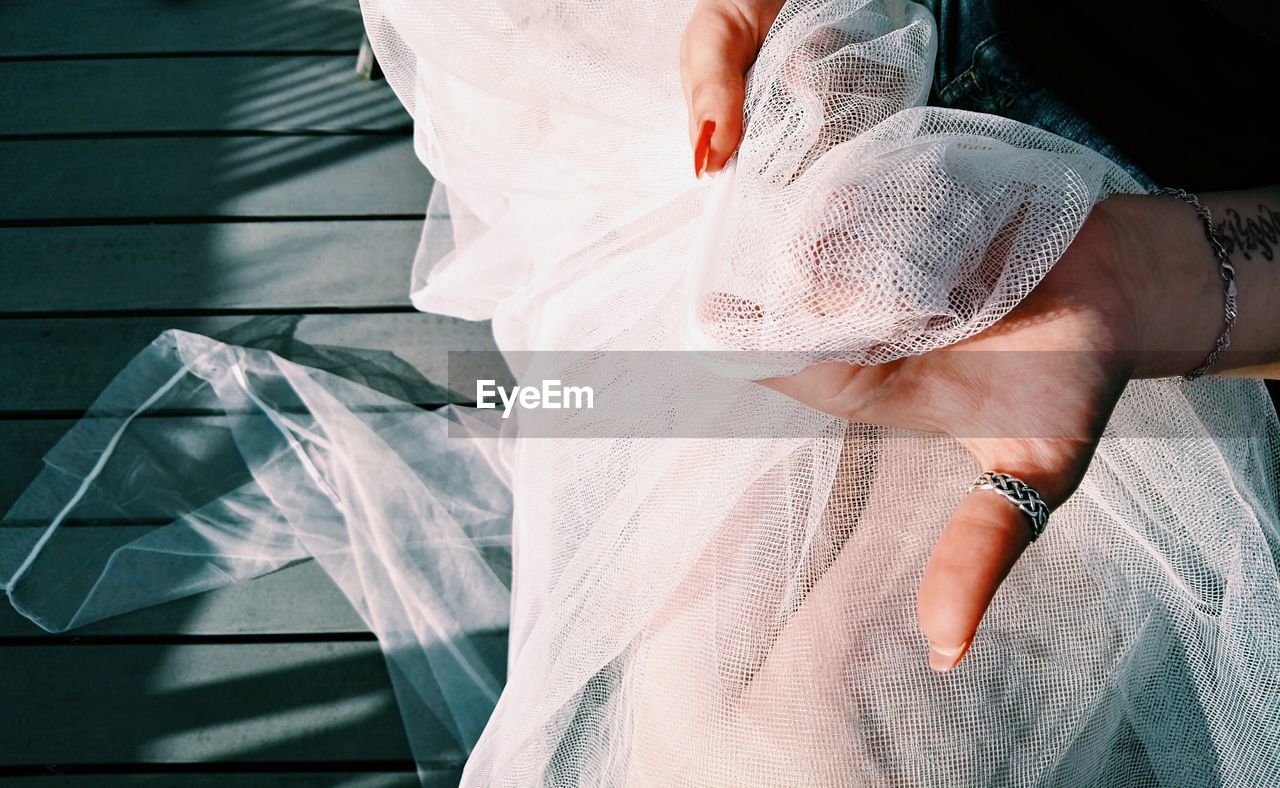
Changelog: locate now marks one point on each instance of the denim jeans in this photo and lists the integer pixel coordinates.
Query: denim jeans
(976, 70)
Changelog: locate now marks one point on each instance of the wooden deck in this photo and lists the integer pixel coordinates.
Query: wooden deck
(191, 165)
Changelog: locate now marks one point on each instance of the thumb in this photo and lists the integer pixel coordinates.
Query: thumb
(719, 45)
(985, 537)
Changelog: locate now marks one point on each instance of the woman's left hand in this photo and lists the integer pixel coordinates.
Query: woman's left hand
(1028, 397)
(1137, 294)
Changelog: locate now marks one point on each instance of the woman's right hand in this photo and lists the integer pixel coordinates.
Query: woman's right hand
(720, 44)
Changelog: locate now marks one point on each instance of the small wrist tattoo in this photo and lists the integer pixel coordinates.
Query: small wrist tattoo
(1254, 235)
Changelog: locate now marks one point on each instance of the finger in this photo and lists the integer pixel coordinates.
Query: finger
(822, 386)
(720, 44)
(985, 537)
(847, 391)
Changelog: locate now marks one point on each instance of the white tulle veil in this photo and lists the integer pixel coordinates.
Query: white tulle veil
(732, 605)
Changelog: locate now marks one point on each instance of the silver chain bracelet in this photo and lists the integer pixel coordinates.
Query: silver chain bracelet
(1225, 269)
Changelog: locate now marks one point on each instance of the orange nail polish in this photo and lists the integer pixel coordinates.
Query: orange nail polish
(702, 150)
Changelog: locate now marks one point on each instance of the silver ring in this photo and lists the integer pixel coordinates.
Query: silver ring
(1020, 494)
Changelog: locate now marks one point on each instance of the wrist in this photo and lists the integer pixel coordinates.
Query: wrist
(1169, 281)
(1248, 226)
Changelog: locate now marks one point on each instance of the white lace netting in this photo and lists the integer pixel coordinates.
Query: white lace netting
(736, 610)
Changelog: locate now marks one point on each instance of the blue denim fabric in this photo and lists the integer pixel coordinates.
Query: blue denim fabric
(977, 71)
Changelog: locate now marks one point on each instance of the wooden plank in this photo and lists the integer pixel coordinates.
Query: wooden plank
(200, 94)
(186, 441)
(435, 778)
(248, 702)
(25, 442)
(276, 176)
(297, 599)
(30, 28)
(52, 778)
(290, 265)
(68, 362)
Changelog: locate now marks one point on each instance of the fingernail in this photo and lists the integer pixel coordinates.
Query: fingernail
(943, 659)
(702, 150)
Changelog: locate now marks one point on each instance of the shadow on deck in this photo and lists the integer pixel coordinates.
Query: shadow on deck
(194, 165)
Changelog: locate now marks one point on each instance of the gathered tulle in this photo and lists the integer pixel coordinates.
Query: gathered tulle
(205, 464)
(735, 606)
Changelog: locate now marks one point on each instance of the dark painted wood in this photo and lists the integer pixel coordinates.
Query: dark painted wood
(321, 702)
(297, 599)
(219, 176)
(175, 185)
(70, 361)
(29, 28)
(294, 265)
(337, 779)
(202, 94)
(200, 457)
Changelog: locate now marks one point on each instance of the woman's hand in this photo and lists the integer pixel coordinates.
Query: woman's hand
(1029, 397)
(718, 48)
(1137, 294)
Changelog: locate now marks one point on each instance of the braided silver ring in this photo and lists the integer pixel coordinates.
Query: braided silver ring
(1020, 494)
